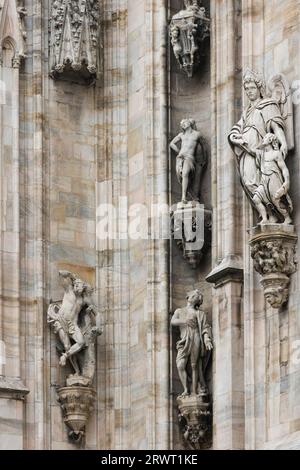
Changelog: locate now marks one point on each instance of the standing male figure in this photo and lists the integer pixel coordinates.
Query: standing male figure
(195, 343)
(190, 138)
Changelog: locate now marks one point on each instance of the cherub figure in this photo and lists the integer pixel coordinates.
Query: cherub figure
(271, 196)
(175, 40)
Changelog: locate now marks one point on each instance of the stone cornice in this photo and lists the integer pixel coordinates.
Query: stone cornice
(229, 270)
(12, 388)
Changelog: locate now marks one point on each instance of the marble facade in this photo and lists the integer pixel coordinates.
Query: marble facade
(68, 146)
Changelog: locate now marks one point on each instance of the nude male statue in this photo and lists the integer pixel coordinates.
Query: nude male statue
(190, 138)
(65, 320)
(195, 343)
(272, 191)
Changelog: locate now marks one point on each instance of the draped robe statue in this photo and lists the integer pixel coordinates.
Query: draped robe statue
(262, 116)
(194, 345)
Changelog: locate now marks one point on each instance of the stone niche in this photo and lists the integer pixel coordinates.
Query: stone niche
(75, 40)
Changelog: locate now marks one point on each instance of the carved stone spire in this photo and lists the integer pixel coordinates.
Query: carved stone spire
(12, 29)
(75, 40)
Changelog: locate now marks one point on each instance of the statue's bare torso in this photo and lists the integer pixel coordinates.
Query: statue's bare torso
(189, 142)
(71, 306)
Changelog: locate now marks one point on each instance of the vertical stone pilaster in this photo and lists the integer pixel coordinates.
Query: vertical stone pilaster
(227, 273)
(12, 389)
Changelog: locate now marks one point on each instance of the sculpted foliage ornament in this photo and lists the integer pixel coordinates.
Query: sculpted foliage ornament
(273, 252)
(193, 351)
(76, 322)
(188, 30)
(75, 40)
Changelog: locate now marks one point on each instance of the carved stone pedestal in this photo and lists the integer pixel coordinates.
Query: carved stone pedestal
(195, 418)
(192, 231)
(77, 403)
(273, 252)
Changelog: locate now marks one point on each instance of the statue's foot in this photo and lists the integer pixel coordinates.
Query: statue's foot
(63, 360)
(203, 391)
(184, 201)
(184, 394)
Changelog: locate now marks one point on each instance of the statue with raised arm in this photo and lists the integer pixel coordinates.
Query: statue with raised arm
(272, 191)
(189, 162)
(76, 322)
(195, 344)
(269, 112)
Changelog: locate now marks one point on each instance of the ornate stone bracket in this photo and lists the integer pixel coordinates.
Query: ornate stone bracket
(273, 252)
(195, 420)
(76, 403)
(75, 40)
(188, 30)
(191, 228)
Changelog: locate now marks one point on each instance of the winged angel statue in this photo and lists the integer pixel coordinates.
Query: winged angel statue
(77, 323)
(261, 141)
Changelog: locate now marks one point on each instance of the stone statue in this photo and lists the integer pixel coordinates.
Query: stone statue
(272, 191)
(256, 155)
(194, 345)
(76, 322)
(191, 4)
(189, 166)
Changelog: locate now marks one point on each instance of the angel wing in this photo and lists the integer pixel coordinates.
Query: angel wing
(280, 91)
